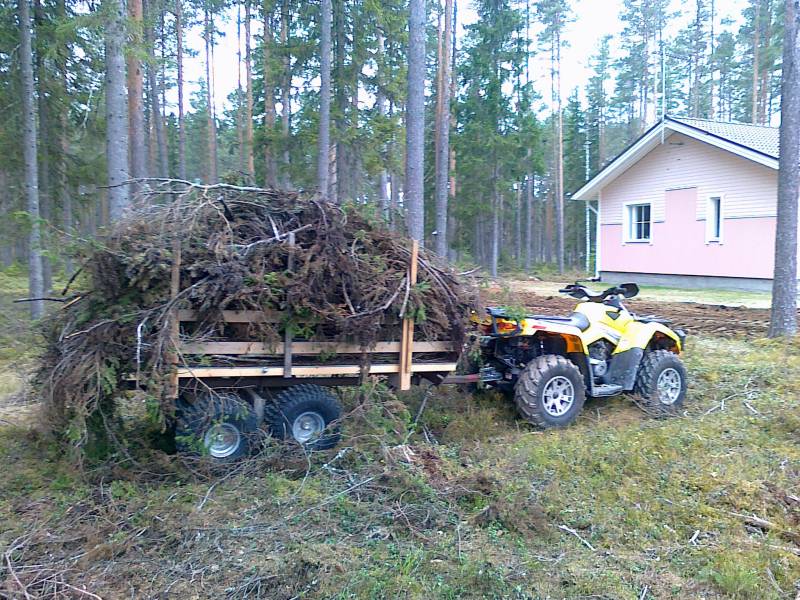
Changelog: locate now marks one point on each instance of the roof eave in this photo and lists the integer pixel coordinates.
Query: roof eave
(649, 140)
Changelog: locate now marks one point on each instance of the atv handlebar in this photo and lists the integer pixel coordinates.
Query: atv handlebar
(580, 292)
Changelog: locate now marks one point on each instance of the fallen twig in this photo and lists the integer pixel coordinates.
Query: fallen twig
(577, 535)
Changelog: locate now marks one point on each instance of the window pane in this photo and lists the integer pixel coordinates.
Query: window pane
(717, 217)
(638, 221)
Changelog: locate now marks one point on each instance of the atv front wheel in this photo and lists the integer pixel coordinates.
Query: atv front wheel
(661, 382)
(550, 391)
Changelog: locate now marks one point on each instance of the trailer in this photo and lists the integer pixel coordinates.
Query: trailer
(226, 390)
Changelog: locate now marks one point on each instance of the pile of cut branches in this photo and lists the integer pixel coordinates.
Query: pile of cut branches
(221, 247)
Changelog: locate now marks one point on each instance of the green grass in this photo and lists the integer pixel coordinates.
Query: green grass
(469, 503)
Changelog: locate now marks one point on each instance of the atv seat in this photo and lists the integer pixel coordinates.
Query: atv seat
(576, 319)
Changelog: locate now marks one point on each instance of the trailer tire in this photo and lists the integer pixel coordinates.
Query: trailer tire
(307, 414)
(550, 391)
(218, 425)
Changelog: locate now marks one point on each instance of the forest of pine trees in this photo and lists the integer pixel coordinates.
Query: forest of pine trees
(335, 94)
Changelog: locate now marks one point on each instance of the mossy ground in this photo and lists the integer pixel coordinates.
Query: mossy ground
(469, 502)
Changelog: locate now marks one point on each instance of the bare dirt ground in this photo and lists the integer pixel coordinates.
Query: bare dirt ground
(693, 317)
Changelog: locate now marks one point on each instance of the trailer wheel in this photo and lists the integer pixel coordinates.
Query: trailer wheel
(215, 424)
(308, 414)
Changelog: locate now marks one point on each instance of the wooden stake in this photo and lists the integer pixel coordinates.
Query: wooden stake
(407, 341)
(174, 319)
(287, 335)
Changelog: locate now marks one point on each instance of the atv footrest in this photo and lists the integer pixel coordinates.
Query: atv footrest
(606, 389)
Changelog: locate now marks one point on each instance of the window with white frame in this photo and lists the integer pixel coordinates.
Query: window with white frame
(714, 219)
(638, 222)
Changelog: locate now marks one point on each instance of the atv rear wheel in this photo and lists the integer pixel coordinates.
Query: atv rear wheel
(550, 391)
(308, 414)
(661, 382)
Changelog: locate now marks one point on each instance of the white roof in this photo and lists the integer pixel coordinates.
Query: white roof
(753, 142)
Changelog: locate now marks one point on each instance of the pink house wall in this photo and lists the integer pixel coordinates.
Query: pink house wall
(677, 178)
(678, 246)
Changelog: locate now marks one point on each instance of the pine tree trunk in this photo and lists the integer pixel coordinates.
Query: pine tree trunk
(162, 93)
(783, 321)
(240, 91)
(518, 227)
(64, 195)
(560, 187)
(212, 176)
(712, 62)
(35, 277)
(452, 223)
(156, 119)
(764, 86)
(44, 170)
(116, 110)
(179, 83)
(271, 171)
(756, 60)
(496, 227)
(138, 146)
(324, 136)
(248, 113)
(6, 206)
(443, 134)
(698, 23)
(415, 122)
(286, 91)
(394, 200)
(529, 225)
(380, 100)
(339, 186)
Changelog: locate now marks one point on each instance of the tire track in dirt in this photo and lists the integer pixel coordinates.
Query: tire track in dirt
(692, 317)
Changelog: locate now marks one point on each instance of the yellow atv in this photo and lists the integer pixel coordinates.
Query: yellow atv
(552, 363)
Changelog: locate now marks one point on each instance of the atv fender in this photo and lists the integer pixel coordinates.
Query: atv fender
(639, 335)
(631, 348)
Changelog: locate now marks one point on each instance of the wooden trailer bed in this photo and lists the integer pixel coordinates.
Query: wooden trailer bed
(342, 361)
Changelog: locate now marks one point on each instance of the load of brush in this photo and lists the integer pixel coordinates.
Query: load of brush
(210, 249)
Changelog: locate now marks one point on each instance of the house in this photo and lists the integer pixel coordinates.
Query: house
(691, 203)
